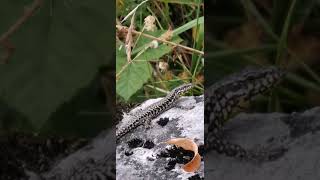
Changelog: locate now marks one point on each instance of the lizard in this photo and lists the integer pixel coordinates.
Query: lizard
(146, 115)
(225, 96)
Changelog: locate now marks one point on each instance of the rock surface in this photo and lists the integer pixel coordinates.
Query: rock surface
(298, 133)
(136, 161)
(90, 162)
(146, 157)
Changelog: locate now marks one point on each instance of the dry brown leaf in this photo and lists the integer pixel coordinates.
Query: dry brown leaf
(168, 75)
(184, 75)
(194, 164)
(200, 79)
(149, 23)
(190, 145)
(129, 39)
(167, 36)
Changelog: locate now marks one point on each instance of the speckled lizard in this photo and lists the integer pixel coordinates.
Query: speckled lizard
(222, 98)
(146, 115)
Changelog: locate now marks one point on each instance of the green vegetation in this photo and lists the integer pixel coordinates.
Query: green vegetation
(166, 47)
(281, 33)
(49, 65)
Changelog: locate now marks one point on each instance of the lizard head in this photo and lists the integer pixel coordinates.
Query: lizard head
(180, 90)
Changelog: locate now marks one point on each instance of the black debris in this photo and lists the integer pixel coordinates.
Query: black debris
(163, 121)
(128, 153)
(201, 150)
(170, 165)
(177, 155)
(148, 144)
(195, 177)
(135, 142)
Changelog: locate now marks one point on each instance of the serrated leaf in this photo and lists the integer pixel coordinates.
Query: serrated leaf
(58, 51)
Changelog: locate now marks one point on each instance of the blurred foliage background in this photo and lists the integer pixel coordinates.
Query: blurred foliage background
(242, 33)
(160, 45)
(60, 65)
(52, 81)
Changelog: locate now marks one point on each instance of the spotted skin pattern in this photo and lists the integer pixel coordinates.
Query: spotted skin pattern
(222, 98)
(146, 115)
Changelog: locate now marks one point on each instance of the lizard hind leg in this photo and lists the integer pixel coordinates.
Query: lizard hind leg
(222, 146)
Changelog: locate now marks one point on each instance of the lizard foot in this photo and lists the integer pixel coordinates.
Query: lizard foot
(147, 124)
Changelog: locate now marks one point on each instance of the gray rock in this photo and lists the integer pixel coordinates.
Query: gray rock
(298, 133)
(144, 163)
(96, 160)
(90, 162)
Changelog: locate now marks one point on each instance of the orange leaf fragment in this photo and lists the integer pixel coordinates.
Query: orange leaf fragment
(190, 145)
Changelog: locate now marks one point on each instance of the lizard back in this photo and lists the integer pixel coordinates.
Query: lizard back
(154, 109)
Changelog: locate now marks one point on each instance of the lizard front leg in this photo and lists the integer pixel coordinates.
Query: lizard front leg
(147, 123)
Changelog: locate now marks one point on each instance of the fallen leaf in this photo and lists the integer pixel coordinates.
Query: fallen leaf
(194, 164)
(190, 145)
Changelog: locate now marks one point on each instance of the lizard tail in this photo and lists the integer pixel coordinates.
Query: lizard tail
(119, 134)
(123, 131)
(222, 146)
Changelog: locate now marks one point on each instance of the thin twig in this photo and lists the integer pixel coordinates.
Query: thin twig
(4, 39)
(161, 40)
(133, 11)
(158, 89)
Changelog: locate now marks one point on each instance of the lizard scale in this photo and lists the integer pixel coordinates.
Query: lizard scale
(223, 97)
(146, 115)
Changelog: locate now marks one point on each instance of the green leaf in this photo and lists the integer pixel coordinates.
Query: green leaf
(251, 8)
(156, 53)
(58, 51)
(188, 2)
(144, 42)
(200, 37)
(188, 26)
(133, 77)
(282, 44)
